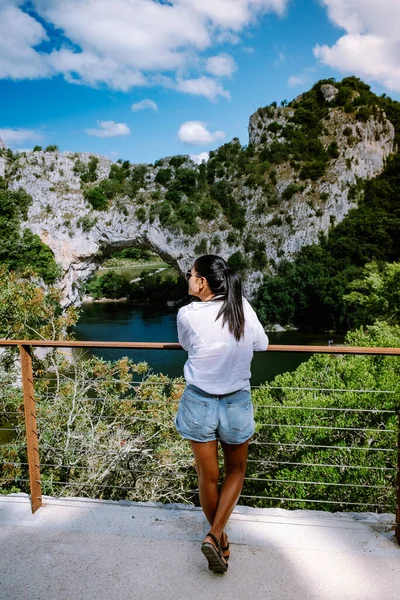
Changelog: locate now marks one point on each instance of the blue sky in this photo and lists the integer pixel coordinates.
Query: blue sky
(142, 79)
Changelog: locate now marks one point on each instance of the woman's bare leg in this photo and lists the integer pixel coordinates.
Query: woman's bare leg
(217, 504)
(235, 459)
(206, 457)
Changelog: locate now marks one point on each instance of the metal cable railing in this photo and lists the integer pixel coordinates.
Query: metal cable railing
(295, 449)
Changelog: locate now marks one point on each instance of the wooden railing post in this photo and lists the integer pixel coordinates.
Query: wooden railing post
(32, 441)
(397, 532)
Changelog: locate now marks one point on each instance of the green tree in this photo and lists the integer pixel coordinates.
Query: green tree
(307, 420)
(109, 285)
(22, 249)
(163, 176)
(376, 294)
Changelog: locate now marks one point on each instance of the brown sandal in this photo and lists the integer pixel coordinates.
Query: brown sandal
(225, 549)
(216, 562)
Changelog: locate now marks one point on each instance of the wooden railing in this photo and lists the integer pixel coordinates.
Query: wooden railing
(25, 349)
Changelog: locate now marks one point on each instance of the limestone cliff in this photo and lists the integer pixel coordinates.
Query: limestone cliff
(262, 206)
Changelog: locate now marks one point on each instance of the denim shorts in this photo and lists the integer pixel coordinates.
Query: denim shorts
(204, 417)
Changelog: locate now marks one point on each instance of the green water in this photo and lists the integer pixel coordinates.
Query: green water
(118, 322)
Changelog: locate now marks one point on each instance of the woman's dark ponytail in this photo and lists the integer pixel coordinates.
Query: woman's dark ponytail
(223, 281)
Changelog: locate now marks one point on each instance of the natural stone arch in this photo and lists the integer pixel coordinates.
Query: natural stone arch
(79, 236)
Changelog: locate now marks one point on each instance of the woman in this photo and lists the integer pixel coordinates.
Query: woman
(220, 334)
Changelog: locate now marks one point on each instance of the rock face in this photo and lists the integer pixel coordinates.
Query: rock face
(79, 235)
(2, 160)
(329, 92)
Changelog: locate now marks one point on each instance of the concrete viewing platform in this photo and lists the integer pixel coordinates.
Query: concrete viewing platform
(80, 549)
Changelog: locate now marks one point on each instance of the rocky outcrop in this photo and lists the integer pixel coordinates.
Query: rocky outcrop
(79, 235)
(329, 92)
(2, 159)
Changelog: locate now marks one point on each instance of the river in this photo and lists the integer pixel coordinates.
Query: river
(120, 322)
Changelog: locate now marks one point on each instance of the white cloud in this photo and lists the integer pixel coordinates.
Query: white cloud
(371, 46)
(294, 81)
(222, 65)
(125, 43)
(203, 86)
(144, 104)
(18, 136)
(196, 134)
(19, 33)
(303, 78)
(108, 129)
(198, 158)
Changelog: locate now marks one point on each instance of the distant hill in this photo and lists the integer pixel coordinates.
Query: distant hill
(259, 205)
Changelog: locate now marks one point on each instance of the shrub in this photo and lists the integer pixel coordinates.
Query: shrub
(79, 167)
(290, 191)
(185, 180)
(90, 172)
(259, 259)
(177, 161)
(109, 285)
(165, 212)
(97, 198)
(173, 196)
(141, 214)
(364, 113)
(22, 250)
(333, 150)
(237, 261)
(201, 247)
(312, 170)
(232, 239)
(86, 222)
(163, 176)
(208, 209)
(116, 173)
(274, 127)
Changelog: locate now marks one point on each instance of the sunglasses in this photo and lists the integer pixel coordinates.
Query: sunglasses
(189, 274)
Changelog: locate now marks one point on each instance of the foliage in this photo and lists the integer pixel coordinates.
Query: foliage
(52, 148)
(376, 294)
(185, 180)
(137, 254)
(86, 222)
(163, 176)
(94, 438)
(157, 289)
(89, 173)
(109, 285)
(237, 261)
(21, 250)
(107, 431)
(296, 402)
(309, 291)
(178, 160)
(96, 197)
(27, 311)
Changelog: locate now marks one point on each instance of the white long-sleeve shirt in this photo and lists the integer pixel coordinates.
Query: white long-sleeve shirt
(217, 362)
